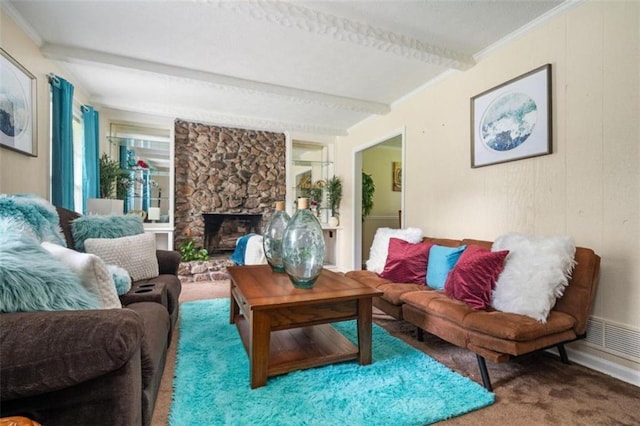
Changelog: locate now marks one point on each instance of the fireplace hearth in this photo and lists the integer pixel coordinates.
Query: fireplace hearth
(222, 230)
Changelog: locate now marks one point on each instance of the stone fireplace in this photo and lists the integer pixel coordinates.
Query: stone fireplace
(225, 171)
(221, 230)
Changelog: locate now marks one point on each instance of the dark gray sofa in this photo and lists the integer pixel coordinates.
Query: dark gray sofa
(98, 367)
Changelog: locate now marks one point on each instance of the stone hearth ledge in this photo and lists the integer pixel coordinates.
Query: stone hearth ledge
(214, 269)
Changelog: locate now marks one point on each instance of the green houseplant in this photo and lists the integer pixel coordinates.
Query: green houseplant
(190, 252)
(368, 189)
(112, 178)
(334, 197)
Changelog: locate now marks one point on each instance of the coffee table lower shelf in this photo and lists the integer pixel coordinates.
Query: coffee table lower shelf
(303, 347)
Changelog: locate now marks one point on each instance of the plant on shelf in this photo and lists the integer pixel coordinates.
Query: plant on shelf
(334, 194)
(314, 193)
(190, 252)
(368, 189)
(112, 178)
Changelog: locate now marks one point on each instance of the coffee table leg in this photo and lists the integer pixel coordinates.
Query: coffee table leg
(234, 310)
(259, 348)
(364, 330)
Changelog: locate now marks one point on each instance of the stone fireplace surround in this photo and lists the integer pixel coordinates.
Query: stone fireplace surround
(226, 171)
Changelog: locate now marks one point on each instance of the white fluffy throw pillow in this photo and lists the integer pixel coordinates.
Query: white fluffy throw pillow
(136, 254)
(91, 270)
(380, 246)
(535, 273)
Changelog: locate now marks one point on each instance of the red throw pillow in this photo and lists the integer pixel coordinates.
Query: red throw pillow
(406, 262)
(474, 276)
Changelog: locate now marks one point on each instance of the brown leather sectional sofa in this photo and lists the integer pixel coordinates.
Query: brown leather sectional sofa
(91, 367)
(491, 334)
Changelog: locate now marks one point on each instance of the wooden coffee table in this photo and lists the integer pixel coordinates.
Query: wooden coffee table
(285, 329)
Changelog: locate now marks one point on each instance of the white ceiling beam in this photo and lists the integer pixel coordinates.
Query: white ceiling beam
(214, 117)
(290, 15)
(78, 55)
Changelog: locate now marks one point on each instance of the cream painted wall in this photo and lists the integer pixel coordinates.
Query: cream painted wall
(20, 173)
(588, 188)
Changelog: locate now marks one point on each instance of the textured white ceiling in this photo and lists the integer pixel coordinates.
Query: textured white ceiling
(308, 66)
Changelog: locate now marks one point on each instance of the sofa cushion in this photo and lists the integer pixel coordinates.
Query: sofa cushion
(406, 262)
(46, 351)
(535, 274)
(91, 270)
(439, 304)
(32, 279)
(510, 326)
(380, 246)
(136, 254)
(108, 226)
(441, 261)
(394, 291)
(369, 278)
(474, 275)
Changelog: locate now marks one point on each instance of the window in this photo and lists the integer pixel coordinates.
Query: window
(78, 157)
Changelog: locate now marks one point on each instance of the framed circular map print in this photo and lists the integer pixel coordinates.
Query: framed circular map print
(17, 106)
(512, 121)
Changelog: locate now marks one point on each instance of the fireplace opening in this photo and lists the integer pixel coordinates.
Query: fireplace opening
(222, 230)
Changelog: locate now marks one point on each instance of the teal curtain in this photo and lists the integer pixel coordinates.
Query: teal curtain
(91, 160)
(61, 142)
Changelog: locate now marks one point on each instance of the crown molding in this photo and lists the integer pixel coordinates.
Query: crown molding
(558, 10)
(207, 116)
(78, 55)
(21, 22)
(290, 15)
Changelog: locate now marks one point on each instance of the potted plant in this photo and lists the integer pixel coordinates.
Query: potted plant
(112, 181)
(111, 176)
(334, 197)
(368, 189)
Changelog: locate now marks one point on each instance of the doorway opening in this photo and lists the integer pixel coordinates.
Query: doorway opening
(382, 160)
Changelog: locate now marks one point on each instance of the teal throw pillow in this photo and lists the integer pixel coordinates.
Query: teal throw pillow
(31, 279)
(38, 216)
(441, 261)
(121, 278)
(108, 226)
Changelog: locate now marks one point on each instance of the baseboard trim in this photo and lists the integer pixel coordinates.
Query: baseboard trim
(604, 366)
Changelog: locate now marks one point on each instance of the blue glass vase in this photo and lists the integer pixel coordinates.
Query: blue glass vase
(273, 235)
(303, 247)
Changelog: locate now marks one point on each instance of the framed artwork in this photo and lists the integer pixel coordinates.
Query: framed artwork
(396, 176)
(512, 121)
(18, 107)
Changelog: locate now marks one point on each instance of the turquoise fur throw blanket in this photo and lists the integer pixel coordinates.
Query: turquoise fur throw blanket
(35, 214)
(241, 246)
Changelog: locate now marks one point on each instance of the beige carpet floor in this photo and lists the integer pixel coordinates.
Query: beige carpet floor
(531, 390)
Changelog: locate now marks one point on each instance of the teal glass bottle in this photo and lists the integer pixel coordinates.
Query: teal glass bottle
(273, 235)
(303, 247)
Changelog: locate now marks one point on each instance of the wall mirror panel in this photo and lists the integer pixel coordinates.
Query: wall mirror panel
(146, 160)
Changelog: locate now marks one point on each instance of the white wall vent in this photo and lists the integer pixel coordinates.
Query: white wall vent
(617, 339)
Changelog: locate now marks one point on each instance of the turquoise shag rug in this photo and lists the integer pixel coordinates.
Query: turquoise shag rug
(402, 386)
